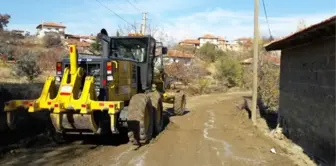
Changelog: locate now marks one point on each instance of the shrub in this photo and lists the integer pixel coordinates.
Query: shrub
(96, 47)
(47, 59)
(229, 70)
(268, 85)
(209, 52)
(26, 66)
(187, 49)
(52, 40)
(185, 74)
(247, 77)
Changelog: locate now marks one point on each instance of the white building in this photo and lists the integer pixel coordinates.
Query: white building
(208, 38)
(44, 28)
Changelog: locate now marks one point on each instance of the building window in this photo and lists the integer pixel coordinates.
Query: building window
(49, 28)
(57, 29)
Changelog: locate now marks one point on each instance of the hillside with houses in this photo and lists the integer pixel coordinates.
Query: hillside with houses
(176, 54)
(186, 49)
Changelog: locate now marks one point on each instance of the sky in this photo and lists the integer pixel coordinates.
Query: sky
(179, 19)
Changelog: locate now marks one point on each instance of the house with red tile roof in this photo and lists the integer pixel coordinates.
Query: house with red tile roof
(220, 42)
(208, 38)
(190, 42)
(175, 56)
(50, 27)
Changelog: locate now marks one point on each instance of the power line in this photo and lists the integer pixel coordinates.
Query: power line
(116, 14)
(157, 20)
(128, 1)
(265, 11)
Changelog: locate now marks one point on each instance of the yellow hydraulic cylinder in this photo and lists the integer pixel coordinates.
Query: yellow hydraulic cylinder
(73, 59)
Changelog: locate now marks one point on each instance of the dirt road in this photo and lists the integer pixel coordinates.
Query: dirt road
(212, 133)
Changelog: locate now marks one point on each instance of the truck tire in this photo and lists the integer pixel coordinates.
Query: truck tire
(140, 120)
(179, 103)
(158, 111)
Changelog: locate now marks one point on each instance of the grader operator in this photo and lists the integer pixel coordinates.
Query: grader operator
(102, 94)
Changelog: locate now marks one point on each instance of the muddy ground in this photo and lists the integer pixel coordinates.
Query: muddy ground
(213, 132)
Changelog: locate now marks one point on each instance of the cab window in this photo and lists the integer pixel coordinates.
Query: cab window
(131, 48)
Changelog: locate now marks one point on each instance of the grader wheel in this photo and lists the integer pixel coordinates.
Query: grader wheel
(140, 120)
(17, 119)
(179, 103)
(158, 110)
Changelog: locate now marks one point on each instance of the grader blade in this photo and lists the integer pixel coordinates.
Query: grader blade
(74, 115)
(72, 107)
(13, 105)
(17, 110)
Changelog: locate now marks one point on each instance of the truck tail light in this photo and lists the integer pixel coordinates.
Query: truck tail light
(58, 68)
(109, 67)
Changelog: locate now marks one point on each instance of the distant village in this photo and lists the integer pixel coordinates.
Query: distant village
(84, 42)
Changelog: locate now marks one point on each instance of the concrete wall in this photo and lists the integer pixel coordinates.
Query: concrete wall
(307, 97)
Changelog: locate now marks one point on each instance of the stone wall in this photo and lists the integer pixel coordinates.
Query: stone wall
(307, 97)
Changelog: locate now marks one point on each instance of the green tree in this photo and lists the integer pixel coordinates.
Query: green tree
(52, 39)
(229, 70)
(95, 47)
(209, 52)
(4, 20)
(27, 66)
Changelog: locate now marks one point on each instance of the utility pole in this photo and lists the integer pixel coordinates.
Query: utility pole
(255, 62)
(144, 22)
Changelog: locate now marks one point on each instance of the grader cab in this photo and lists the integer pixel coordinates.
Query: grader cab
(103, 94)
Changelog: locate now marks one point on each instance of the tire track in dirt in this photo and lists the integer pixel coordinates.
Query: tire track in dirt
(209, 135)
(116, 160)
(194, 104)
(210, 124)
(139, 160)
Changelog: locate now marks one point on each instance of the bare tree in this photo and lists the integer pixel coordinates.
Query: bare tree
(301, 25)
(126, 29)
(158, 33)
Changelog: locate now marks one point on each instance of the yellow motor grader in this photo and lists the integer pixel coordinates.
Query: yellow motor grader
(122, 88)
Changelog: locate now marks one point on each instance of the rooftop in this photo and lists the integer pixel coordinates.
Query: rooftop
(208, 36)
(221, 38)
(190, 41)
(324, 29)
(51, 24)
(179, 54)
